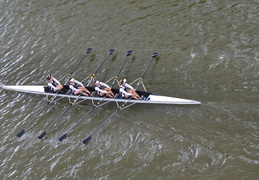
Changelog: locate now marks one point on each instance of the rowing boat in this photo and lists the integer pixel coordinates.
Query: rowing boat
(147, 97)
(122, 103)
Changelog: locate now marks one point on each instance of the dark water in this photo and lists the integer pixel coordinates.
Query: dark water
(208, 51)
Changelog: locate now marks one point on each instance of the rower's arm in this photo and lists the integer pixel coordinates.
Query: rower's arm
(104, 84)
(52, 87)
(81, 84)
(125, 92)
(73, 88)
(100, 90)
(56, 81)
(129, 86)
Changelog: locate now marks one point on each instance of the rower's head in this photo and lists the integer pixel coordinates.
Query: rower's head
(122, 81)
(49, 78)
(72, 80)
(97, 83)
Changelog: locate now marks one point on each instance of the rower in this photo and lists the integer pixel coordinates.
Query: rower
(103, 89)
(127, 90)
(53, 84)
(77, 87)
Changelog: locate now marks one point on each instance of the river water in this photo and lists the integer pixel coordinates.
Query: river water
(208, 51)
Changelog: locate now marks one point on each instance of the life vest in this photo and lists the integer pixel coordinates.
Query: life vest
(75, 86)
(100, 87)
(54, 84)
(121, 93)
(50, 87)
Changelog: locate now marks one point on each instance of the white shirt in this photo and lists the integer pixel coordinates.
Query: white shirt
(77, 82)
(98, 88)
(122, 90)
(50, 84)
(128, 86)
(71, 86)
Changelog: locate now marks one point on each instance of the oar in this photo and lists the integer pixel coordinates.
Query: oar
(69, 75)
(65, 110)
(116, 77)
(87, 140)
(141, 79)
(52, 99)
(53, 123)
(93, 75)
(64, 136)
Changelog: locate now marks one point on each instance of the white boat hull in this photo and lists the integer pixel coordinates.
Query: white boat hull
(152, 98)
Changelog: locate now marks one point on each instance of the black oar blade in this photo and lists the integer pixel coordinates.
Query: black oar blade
(63, 137)
(21, 133)
(87, 140)
(154, 55)
(111, 51)
(42, 135)
(129, 53)
(88, 50)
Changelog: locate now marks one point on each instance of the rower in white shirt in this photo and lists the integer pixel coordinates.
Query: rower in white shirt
(78, 88)
(53, 84)
(127, 90)
(103, 89)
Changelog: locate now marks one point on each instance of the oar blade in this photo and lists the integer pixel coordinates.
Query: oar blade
(87, 140)
(42, 135)
(154, 55)
(63, 137)
(129, 53)
(88, 50)
(21, 133)
(111, 51)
